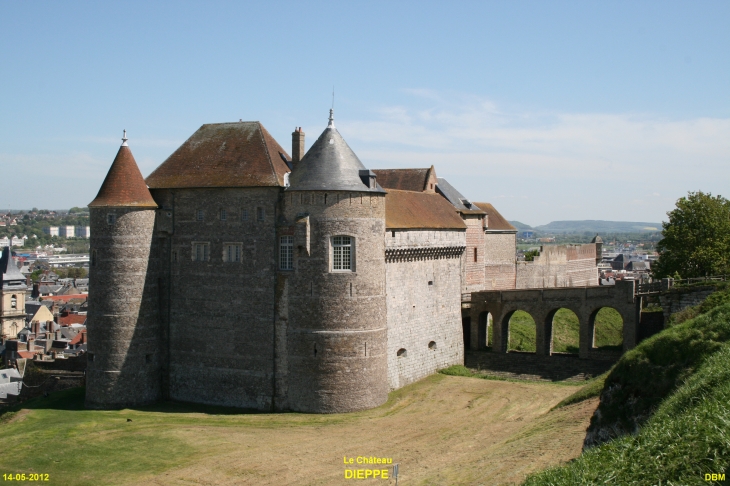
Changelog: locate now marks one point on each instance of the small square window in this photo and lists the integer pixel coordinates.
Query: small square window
(111, 218)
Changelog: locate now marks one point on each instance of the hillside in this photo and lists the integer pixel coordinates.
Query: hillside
(600, 227)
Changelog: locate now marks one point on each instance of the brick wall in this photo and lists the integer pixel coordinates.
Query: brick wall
(473, 268)
(423, 305)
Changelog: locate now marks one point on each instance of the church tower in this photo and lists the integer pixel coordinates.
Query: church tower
(12, 296)
(123, 323)
(331, 253)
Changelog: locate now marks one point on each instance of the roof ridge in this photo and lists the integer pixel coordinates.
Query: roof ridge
(266, 148)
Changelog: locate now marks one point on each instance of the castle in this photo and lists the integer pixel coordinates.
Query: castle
(237, 275)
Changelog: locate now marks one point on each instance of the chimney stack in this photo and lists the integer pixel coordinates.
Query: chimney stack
(297, 146)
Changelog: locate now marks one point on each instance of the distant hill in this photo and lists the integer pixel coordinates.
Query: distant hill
(520, 226)
(594, 226)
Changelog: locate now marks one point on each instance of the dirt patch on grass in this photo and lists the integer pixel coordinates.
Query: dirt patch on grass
(442, 430)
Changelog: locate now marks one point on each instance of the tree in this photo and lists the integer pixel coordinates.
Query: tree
(696, 238)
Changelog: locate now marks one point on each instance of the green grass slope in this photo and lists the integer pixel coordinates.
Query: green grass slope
(664, 413)
(687, 437)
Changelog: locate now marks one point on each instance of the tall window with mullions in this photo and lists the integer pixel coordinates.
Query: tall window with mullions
(341, 253)
(286, 253)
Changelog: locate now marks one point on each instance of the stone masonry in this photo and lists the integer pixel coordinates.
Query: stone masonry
(423, 279)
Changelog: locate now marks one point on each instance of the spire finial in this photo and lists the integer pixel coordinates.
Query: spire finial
(124, 139)
(331, 123)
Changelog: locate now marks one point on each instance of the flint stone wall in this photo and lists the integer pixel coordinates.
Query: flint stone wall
(423, 304)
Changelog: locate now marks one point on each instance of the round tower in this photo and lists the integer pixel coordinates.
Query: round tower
(123, 324)
(336, 331)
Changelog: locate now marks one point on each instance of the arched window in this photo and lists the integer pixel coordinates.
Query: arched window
(342, 253)
(402, 353)
(13, 302)
(432, 345)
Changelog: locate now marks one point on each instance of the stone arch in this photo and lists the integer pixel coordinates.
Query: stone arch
(567, 326)
(606, 319)
(508, 327)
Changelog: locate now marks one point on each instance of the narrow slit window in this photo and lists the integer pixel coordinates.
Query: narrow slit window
(111, 218)
(475, 254)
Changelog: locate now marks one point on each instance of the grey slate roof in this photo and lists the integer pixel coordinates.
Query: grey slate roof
(329, 165)
(11, 274)
(456, 198)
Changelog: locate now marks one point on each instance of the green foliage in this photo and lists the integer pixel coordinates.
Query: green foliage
(71, 272)
(696, 238)
(530, 255)
(688, 437)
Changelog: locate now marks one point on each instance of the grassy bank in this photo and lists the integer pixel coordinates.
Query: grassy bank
(664, 411)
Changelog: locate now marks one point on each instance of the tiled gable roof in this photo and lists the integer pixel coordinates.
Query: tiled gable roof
(404, 179)
(239, 154)
(420, 210)
(495, 221)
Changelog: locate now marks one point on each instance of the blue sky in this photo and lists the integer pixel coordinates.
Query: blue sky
(549, 110)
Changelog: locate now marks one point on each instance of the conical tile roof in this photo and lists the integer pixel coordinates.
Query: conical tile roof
(124, 185)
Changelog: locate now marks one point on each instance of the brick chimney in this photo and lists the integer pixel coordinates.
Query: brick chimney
(297, 146)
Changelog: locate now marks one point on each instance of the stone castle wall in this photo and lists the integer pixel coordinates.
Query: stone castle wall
(124, 349)
(559, 266)
(219, 315)
(331, 325)
(499, 261)
(423, 286)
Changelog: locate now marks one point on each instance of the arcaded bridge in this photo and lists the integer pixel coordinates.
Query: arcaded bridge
(542, 304)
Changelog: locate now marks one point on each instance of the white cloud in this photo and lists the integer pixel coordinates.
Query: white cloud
(572, 156)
